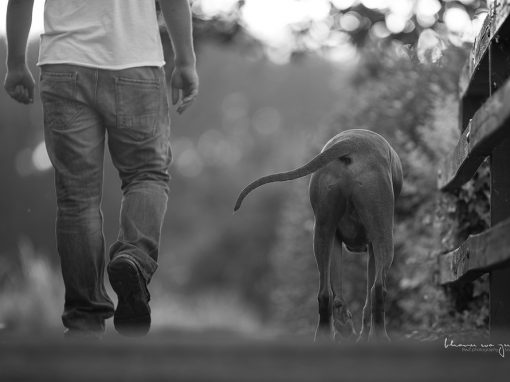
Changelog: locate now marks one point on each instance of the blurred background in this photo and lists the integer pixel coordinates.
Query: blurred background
(278, 79)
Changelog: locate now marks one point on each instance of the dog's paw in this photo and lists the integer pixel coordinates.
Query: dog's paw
(343, 325)
(344, 331)
(362, 338)
(324, 335)
(379, 338)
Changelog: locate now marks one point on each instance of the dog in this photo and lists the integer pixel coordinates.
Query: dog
(355, 182)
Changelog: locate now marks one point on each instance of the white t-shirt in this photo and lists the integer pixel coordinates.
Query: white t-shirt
(105, 34)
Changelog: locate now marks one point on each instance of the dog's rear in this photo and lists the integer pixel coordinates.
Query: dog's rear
(356, 180)
(353, 201)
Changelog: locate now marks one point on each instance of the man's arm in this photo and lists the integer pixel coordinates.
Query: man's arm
(19, 82)
(177, 16)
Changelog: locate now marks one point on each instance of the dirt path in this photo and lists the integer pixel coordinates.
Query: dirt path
(174, 356)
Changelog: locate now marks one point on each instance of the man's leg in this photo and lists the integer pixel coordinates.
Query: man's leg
(140, 150)
(75, 143)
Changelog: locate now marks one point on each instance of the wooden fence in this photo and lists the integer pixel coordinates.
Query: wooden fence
(484, 119)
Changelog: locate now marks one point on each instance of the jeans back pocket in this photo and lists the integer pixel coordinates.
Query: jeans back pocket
(58, 94)
(137, 105)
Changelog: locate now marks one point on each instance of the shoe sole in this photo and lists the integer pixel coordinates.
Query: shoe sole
(133, 316)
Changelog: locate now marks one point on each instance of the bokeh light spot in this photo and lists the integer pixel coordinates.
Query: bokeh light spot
(350, 22)
(395, 22)
(380, 30)
(40, 158)
(187, 160)
(375, 4)
(457, 20)
(344, 4)
(427, 8)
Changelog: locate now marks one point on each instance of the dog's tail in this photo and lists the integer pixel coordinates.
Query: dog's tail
(339, 151)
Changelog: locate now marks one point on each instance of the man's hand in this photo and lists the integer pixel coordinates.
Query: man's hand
(19, 84)
(184, 81)
(184, 86)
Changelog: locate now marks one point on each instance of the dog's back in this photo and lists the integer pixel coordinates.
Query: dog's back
(369, 153)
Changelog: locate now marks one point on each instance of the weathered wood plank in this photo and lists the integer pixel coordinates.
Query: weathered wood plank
(489, 126)
(475, 72)
(500, 10)
(458, 167)
(478, 254)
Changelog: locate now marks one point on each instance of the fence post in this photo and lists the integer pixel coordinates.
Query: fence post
(499, 53)
(500, 210)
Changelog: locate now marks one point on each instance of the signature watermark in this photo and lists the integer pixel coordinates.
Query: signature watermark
(501, 349)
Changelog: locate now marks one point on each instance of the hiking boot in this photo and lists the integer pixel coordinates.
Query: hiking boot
(133, 315)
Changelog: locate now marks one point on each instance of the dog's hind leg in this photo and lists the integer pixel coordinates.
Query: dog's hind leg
(383, 257)
(342, 317)
(327, 207)
(379, 227)
(375, 207)
(323, 244)
(367, 308)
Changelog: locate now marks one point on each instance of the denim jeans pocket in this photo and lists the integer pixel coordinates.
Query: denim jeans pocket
(137, 106)
(58, 93)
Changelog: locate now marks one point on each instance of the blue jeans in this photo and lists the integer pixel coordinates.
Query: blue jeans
(82, 107)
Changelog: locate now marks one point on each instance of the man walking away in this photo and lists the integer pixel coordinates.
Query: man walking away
(102, 83)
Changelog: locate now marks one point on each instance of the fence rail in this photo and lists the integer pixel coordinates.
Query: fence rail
(490, 124)
(478, 254)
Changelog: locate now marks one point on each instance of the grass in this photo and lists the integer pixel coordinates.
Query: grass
(31, 299)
